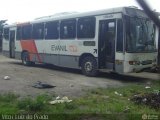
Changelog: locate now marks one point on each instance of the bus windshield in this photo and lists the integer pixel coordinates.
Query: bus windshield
(140, 35)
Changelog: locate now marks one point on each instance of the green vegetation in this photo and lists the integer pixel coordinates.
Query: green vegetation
(100, 103)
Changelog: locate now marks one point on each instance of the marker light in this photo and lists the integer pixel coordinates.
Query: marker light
(134, 62)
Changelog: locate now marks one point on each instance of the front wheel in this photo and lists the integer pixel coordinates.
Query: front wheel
(25, 59)
(89, 66)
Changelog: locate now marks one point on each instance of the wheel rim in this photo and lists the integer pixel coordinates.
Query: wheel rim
(88, 66)
(25, 60)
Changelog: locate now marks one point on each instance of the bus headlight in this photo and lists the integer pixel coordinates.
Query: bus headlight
(134, 62)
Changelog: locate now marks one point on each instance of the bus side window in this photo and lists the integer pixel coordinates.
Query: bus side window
(26, 32)
(86, 27)
(111, 31)
(68, 29)
(52, 30)
(19, 33)
(38, 31)
(6, 33)
(119, 47)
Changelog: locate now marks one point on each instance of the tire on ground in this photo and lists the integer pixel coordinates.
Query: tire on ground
(25, 59)
(89, 66)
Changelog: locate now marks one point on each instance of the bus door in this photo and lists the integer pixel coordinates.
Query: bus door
(12, 43)
(106, 46)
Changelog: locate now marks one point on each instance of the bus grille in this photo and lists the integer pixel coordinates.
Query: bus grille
(146, 62)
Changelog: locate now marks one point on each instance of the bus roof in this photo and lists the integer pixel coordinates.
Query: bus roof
(130, 11)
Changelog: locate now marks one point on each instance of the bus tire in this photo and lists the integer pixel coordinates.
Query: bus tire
(25, 59)
(89, 66)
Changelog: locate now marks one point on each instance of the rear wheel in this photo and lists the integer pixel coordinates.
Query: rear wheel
(89, 66)
(25, 59)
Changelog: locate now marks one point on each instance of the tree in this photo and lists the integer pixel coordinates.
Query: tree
(2, 22)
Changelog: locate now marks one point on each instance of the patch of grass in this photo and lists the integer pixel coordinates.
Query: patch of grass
(33, 105)
(8, 108)
(7, 103)
(9, 97)
(100, 103)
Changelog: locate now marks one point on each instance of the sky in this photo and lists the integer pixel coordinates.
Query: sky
(27, 10)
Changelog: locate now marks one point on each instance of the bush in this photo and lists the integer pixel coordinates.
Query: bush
(9, 97)
(33, 105)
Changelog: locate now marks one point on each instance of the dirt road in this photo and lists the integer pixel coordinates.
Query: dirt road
(68, 82)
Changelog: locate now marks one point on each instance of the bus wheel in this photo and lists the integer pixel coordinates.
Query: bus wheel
(89, 66)
(25, 59)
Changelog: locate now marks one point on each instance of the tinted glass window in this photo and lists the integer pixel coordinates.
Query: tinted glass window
(140, 35)
(68, 29)
(19, 33)
(52, 30)
(38, 31)
(120, 36)
(86, 27)
(6, 33)
(26, 32)
(110, 39)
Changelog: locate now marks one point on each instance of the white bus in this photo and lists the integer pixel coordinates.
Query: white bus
(120, 40)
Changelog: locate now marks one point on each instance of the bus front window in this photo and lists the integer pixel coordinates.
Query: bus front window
(140, 35)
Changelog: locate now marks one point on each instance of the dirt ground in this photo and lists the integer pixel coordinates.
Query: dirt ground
(68, 82)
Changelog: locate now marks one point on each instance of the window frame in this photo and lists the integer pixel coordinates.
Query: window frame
(62, 24)
(19, 33)
(35, 33)
(29, 36)
(46, 30)
(4, 35)
(83, 20)
(122, 37)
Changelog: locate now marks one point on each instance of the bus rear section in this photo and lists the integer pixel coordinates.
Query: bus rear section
(8, 43)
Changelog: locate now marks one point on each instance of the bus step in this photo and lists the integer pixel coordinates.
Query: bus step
(106, 70)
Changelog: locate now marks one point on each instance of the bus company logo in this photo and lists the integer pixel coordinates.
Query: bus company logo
(109, 16)
(73, 48)
(59, 48)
